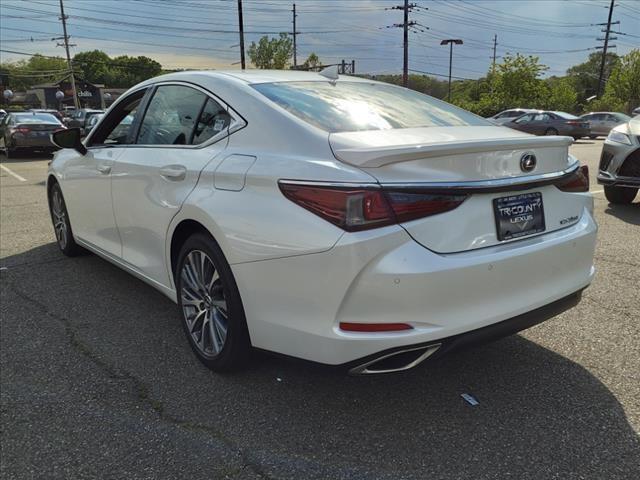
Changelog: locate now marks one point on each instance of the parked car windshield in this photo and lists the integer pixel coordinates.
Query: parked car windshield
(355, 106)
(35, 118)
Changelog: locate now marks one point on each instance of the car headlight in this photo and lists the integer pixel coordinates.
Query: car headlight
(619, 137)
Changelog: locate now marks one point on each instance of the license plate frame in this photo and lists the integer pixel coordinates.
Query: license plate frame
(519, 215)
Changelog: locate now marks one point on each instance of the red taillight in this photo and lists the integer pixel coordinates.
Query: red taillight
(374, 327)
(413, 205)
(578, 182)
(351, 209)
(354, 208)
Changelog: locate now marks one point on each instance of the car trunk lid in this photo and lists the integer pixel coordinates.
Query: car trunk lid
(484, 162)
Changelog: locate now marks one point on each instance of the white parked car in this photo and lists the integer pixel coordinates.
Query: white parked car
(338, 220)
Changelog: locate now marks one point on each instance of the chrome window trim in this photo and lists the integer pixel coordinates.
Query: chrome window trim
(476, 186)
(237, 121)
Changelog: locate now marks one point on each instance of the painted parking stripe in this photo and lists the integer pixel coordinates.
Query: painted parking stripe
(596, 191)
(13, 174)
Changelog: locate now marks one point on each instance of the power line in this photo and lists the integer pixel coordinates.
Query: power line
(406, 8)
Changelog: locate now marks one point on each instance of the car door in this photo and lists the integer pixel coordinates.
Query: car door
(523, 123)
(609, 122)
(87, 179)
(182, 130)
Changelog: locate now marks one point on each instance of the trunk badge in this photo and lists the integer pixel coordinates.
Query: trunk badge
(528, 162)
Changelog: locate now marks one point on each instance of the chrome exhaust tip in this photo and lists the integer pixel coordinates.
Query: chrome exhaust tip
(397, 361)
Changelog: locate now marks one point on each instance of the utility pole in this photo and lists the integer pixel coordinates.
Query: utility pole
(241, 28)
(495, 45)
(295, 34)
(604, 49)
(450, 42)
(407, 7)
(63, 17)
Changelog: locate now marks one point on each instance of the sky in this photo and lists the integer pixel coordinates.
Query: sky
(203, 33)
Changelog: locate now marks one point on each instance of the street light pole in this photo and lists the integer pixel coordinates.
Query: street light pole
(450, 42)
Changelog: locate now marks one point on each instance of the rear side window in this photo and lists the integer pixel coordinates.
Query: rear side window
(355, 106)
(171, 116)
(213, 120)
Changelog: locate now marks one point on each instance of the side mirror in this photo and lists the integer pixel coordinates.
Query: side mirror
(69, 138)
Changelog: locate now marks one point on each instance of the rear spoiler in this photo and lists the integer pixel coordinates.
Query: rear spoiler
(371, 157)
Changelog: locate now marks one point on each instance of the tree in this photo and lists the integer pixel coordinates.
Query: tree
(272, 53)
(562, 94)
(311, 62)
(622, 92)
(585, 75)
(94, 66)
(516, 82)
(23, 74)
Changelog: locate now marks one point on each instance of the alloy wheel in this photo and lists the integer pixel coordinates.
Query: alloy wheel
(59, 218)
(203, 303)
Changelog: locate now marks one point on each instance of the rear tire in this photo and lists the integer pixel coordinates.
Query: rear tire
(620, 195)
(61, 223)
(211, 307)
(551, 131)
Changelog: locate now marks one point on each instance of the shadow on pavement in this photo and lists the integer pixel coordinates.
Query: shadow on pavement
(626, 213)
(540, 414)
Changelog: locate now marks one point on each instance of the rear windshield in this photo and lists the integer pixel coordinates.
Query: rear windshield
(36, 118)
(354, 106)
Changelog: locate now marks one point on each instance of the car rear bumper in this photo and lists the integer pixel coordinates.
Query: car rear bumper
(32, 142)
(294, 305)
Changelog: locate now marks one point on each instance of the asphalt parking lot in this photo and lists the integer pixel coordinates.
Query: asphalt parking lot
(98, 381)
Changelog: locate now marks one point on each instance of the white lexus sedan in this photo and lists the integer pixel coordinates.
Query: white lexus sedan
(334, 219)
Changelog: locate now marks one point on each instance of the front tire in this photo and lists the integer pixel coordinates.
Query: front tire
(620, 195)
(212, 313)
(61, 223)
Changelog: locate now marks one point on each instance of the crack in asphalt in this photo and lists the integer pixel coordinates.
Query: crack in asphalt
(143, 393)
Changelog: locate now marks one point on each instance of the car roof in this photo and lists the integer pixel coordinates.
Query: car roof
(253, 76)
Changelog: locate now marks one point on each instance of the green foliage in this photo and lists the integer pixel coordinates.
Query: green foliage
(585, 75)
(38, 69)
(312, 61)
(562, 94)
(93, 67)
(271, 53)
(623, 87)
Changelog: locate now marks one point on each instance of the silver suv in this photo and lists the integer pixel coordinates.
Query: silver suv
(619, 169)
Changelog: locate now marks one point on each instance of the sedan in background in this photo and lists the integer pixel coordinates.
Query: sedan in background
(28, 131)
(80, 119)
(332, 218)
(601, 123)
(551, 123)
(93, 121)
(508, 115)
(619, 169)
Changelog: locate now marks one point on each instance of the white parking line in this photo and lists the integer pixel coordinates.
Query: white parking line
(596, 191)
(13, 174)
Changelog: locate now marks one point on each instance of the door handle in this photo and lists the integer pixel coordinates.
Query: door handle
(104, 168)
(173, 172)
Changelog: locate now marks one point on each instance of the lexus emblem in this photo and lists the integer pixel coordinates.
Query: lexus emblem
(528, 162)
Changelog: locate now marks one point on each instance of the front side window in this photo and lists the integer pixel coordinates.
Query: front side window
(356, 106)
(524, 119)
(118, 127)
(171, 116)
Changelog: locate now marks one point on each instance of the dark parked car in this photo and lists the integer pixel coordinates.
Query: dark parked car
(28, 131)
(80, 119)
(551, 123)
(601, 123)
